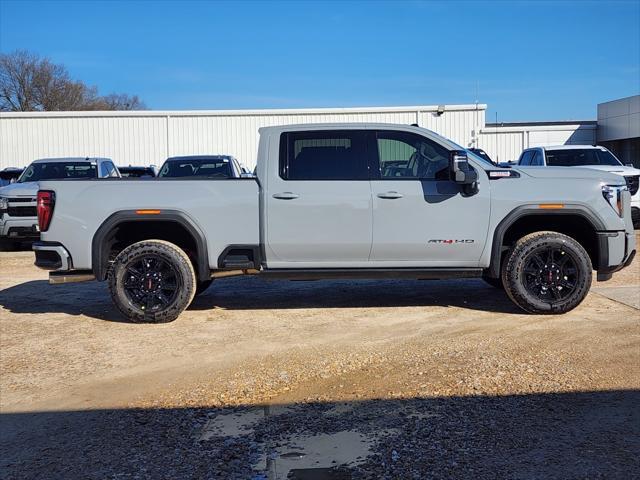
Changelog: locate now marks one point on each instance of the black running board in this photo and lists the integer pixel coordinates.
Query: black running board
(371, 273)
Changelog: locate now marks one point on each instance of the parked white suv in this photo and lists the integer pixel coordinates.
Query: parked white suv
(18, 215)
(588, 156)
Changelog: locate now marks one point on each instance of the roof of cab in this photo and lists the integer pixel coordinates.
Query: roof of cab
(572, 147)
(199, 157)
(70, 159)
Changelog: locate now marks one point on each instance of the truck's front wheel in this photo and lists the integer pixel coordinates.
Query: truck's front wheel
(547, 272)
(152, 281)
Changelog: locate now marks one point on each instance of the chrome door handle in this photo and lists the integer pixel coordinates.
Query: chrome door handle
(286, 196)
(390, 195)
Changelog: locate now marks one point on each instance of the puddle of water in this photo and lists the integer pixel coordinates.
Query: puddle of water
(303, 457)
(232, 424)
(316, 455)
(235, 424)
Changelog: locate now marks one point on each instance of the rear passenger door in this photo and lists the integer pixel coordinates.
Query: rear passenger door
(319, 204)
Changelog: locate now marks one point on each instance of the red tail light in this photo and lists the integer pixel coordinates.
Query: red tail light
(46, 202)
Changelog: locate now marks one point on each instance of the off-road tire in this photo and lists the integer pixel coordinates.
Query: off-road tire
(203, 286)
(513, 276)
(168, 252)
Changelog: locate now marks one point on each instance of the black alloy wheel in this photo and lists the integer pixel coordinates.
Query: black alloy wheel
(151, 283)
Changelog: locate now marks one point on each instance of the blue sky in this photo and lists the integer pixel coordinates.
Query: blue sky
(530, 60)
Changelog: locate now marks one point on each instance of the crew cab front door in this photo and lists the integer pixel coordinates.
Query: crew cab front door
(318, 205)
(420, 217)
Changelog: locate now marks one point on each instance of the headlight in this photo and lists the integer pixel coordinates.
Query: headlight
(613, 195)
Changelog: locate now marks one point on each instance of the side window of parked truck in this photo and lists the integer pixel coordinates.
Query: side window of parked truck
(326, 155)
(404, 155)
(526, 157)
(537, 159)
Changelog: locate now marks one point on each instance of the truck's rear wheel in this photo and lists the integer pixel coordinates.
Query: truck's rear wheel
(547, 272)
(152, 281)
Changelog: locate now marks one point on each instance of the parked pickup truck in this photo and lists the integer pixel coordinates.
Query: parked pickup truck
(341, 201)
(18, 217)
(586, 156)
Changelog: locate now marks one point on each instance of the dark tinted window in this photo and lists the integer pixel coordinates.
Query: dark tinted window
(537, 158)
(526, 157)
(482, 154)
(404, 155)
(58, 170)
(197, 167)
(104, 170)
(136, 172)
(577, 157)
(326, 155)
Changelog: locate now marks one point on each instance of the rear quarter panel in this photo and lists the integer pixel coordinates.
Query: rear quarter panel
(225, 210)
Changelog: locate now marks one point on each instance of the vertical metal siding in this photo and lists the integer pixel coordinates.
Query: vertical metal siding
(506, 143)
(142, 138)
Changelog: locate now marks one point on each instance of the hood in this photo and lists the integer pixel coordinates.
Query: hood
(617, 169)
(27, 189)
(572, 173)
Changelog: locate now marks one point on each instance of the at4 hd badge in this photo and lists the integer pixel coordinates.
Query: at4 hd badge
(451, 241)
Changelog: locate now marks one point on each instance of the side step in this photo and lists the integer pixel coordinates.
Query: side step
(371, 273)
(58, 278)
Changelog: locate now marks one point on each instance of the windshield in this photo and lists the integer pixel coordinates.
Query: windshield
(479, 158)
(127, 172)
(196, 167)
(577, 157)
(57, 170)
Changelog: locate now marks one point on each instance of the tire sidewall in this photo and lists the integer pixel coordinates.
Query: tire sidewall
(513, 275)
(185, 278)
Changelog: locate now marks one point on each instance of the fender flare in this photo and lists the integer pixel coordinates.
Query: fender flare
(99, 254)
(531, 210)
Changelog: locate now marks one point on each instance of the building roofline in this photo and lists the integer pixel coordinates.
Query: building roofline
(240, 113)
(541, 124)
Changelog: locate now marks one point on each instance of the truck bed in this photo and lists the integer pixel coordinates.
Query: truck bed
(226, 209)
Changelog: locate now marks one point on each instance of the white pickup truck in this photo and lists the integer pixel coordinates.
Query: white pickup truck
(341, 201)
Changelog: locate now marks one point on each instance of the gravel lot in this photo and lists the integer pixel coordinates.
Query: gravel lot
(318, 380)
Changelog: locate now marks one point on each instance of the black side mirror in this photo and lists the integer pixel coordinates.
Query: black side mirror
(463, 173)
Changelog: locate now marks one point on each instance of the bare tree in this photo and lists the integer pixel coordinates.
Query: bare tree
(122, 101)
(31, 83)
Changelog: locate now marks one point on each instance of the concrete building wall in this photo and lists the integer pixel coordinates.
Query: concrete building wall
(619, 119)
(619, 128)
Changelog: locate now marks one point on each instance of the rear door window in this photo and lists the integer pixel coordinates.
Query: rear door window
(324, 155)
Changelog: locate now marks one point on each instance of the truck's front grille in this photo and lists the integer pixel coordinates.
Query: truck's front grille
(632, 183)
(22, 200)
(22, 211)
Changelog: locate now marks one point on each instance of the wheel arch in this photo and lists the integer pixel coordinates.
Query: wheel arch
(103, 240)
(529, 218)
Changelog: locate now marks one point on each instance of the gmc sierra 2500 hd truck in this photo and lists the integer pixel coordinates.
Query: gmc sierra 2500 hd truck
(341, 201)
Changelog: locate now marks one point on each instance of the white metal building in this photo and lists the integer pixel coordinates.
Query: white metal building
(505, 141)
(149, 137)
